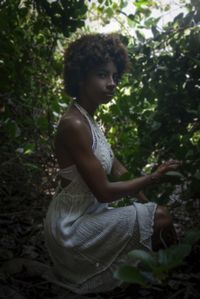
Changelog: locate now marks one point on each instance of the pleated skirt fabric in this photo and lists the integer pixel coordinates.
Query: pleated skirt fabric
(141, 239)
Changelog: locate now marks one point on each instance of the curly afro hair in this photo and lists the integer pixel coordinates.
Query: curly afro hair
(89, 51)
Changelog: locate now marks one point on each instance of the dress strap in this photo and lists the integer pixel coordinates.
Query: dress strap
(91, 124)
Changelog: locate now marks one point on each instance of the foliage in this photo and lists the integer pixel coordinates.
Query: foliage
(65, 16)
(154, 268)
(156, 111)
(30, 86)
(139, 16)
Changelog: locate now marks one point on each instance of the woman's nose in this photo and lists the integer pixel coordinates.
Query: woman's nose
(111, 83)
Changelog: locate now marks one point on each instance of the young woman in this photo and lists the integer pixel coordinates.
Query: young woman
(85, 237)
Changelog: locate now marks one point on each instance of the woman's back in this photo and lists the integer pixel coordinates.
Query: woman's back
(72, 115)
(62, 139)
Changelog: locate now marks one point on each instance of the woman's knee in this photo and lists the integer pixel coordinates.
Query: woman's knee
(164, 234)
(162, 218)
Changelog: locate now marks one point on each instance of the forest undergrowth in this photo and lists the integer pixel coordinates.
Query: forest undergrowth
(154, 117)
(24, 258)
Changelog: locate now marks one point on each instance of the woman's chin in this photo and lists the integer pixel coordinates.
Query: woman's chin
(107, 99)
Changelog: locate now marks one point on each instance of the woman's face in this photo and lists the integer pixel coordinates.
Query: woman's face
(100, 84)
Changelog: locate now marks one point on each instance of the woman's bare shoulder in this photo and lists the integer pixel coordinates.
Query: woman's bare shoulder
(72, 125)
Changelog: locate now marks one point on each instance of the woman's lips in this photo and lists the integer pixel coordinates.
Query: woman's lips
(109, 94)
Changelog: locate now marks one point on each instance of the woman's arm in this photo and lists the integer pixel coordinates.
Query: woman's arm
(77, 142)
(118, 170)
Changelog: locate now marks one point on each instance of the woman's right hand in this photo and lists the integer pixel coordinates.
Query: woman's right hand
(168, 165)
(165, 167)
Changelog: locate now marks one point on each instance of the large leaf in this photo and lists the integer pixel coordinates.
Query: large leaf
(172, 256)
(148, 259)
(130, 274)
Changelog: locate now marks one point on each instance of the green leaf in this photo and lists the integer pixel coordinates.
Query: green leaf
(29, 149)
(173, 256)
(131, 17)
(145, 257)
(130, 274)
(179, 18)
(155, 125)
(197, 61)
(192, 237)
(150, 278)
(151, 21)
(138, 4)
(174, 174)
(109, 12)
(42, 123)
(155, 31)
(140, 36)
(197, 175)
(32, 166)
(12, 129)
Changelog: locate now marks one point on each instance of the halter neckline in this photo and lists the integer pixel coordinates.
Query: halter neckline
(84, 111)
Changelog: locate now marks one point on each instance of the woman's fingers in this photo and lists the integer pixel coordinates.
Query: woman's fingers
(169, 162)
(173, 166)
(169, 165)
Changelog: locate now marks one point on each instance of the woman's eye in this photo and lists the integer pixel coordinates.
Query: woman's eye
(102, 75)
(116, 78)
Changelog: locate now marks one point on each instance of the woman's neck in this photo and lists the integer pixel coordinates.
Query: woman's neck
(89, 106)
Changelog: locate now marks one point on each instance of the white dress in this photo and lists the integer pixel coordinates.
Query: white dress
(87, 239)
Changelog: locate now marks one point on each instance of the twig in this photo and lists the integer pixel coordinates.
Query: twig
(177, 293)
(162, 240)
(187, 292)
(37, 284)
